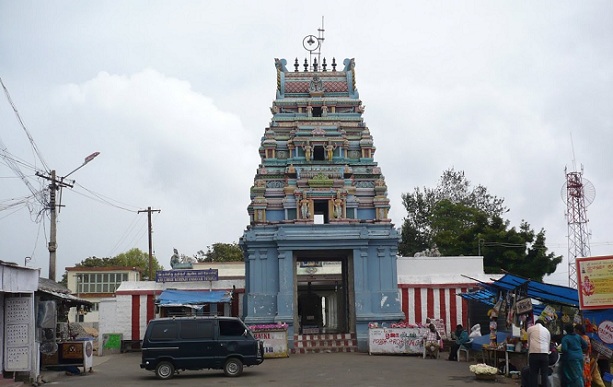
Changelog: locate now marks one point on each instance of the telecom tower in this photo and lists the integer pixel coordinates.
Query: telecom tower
(580, 193)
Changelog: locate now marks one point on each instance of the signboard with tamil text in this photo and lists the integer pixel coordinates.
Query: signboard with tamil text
(186, 275)
(396, 340)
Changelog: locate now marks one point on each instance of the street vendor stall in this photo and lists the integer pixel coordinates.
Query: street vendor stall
(595, 282)
(515, 304)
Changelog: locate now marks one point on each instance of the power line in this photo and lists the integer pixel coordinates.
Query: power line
(23, 126)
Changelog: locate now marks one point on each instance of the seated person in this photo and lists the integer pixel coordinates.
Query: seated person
(432, 342)
(461, 338)
(554, 356)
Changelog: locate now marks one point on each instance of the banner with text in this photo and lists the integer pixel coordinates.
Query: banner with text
(186, 275)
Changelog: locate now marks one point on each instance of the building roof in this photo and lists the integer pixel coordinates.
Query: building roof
(442, 270)
(102, 268)
(61, 292)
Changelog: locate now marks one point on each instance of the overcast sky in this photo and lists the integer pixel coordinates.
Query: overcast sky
(175, 96)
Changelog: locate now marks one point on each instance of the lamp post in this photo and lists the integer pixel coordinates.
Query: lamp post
(78, 281)
(56, 184)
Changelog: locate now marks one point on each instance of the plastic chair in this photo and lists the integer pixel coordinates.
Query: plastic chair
(464, 348)
(438, 353)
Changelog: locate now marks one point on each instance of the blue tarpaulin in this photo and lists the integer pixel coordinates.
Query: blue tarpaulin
(193, 298)
(545, 293)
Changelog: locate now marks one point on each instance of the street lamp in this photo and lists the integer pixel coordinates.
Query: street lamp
(78, 281)
(55, 185)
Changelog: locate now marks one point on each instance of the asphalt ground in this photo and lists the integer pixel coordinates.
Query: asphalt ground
(322, 369)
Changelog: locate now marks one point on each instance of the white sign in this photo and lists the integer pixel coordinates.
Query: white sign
(396, 340)
(275, 343)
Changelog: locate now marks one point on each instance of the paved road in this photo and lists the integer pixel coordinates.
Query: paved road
(324, 369)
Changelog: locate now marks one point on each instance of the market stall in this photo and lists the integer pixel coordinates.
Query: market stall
(595, 282)
(515, 304)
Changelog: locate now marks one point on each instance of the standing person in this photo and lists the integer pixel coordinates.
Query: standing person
(461, 338)
(571, 368)
(587, 370)
(539, 340)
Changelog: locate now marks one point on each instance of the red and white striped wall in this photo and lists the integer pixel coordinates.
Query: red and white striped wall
(420, 301)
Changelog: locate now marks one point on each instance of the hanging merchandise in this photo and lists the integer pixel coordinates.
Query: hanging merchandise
(495, 311)
(577, 320)
(548, 314)
(511, 315)
(523, 306)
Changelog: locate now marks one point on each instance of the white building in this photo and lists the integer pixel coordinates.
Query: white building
(427, 287)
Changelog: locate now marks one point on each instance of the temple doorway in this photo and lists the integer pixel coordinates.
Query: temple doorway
(324, 292)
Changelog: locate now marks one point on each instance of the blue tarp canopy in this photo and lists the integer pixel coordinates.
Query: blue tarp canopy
(193, 298)
(545, 293)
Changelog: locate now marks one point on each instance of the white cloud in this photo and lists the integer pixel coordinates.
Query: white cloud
(175, 96)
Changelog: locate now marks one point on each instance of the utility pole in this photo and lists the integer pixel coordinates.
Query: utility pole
(149, 211)
(55, 185)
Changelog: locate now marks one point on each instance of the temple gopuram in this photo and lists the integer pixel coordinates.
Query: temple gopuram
(320, 250)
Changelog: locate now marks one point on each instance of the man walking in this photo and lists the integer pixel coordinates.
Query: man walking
(539, 339)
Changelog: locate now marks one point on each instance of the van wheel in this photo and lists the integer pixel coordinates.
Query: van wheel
(164, 370)
(233, 367)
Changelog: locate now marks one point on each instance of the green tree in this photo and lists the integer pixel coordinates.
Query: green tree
(131, 258)
(453, 186)
(221, 252)
(469, 222)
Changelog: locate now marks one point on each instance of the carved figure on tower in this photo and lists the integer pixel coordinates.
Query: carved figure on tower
(330, 151)
(304, 208)
(307, 151)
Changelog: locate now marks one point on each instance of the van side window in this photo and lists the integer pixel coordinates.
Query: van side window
(197, 329)
(164, 331)
(231, 328)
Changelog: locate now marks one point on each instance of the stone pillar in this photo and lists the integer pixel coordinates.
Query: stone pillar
(261, 301)
(285, 296)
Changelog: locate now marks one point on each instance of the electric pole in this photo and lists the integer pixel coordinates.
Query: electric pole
(55, 185)
(150, 228)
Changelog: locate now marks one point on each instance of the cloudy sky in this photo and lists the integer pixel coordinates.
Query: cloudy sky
(175, 96)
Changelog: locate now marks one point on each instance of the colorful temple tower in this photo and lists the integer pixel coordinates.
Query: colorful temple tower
(320, 250)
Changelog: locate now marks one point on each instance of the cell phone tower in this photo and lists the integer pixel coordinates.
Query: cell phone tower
(579, 194)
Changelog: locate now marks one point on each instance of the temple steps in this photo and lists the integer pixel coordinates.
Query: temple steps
(325, 343)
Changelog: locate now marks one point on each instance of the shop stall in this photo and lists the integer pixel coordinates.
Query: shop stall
(516, 302)
(595, 283)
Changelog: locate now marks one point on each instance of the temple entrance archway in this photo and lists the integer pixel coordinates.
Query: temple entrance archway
(323, 290)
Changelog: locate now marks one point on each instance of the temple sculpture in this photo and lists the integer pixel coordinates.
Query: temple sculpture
(319, 227)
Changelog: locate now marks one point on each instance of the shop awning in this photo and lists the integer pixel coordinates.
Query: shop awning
(58, 292)
(545, 293)
(193, 298)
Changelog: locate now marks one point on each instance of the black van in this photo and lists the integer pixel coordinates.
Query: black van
(194, 343)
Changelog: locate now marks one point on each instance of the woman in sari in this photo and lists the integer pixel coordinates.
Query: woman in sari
(587, 370)
(572, 361)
